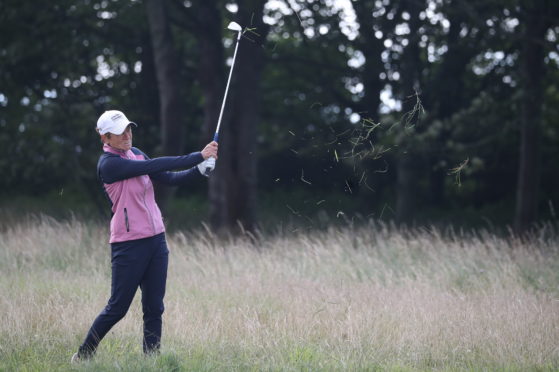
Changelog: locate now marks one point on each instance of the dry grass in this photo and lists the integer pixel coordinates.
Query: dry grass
(372, 298)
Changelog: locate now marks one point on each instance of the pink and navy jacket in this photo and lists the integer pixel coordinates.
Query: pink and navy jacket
(127, 179)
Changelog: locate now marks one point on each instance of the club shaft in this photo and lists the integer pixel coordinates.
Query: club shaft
(216, 136)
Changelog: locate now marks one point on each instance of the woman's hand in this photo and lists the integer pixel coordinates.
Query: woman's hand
(210, 151)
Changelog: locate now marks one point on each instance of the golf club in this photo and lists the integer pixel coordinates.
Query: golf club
(233, 26)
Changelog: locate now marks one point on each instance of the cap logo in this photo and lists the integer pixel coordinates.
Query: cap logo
(116, 116)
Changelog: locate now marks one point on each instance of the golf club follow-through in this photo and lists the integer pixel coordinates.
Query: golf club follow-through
(234, 27)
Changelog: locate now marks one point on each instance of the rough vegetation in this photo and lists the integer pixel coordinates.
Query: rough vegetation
(368, 298)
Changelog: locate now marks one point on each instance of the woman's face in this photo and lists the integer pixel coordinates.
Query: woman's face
(121, 141)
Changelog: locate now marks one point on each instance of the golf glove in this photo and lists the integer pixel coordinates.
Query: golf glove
(206, 167)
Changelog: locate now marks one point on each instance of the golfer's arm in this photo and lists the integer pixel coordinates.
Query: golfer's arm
(172, 178)
(114, 168)
(176, 178)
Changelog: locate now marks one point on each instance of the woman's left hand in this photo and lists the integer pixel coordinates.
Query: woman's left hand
(210, 151)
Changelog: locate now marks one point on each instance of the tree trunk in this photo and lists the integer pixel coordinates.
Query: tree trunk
(406, 188)
(233, 187)
(371, 47)
(211, 71)
(167, 72)
(407, 159)
(212, 81)
(532, 71)
(449, 88)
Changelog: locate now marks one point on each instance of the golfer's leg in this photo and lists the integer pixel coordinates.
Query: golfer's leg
(127, 268)
(153, 290)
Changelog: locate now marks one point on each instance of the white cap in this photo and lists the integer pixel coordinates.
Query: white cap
(113, 121)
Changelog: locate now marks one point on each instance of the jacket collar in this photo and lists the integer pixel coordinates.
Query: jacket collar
(112, 150)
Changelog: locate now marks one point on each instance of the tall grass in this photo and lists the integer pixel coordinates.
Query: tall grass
(368, 298)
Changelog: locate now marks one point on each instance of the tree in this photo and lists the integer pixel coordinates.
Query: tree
(372, 46)
(408, 157)
(233, 186)
(209, 23)
(302, 93)
(535, 23)
(167, 71)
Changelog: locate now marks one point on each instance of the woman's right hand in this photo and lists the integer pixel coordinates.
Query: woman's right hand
(210, 151)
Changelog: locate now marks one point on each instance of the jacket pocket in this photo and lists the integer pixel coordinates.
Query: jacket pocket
(126, 220)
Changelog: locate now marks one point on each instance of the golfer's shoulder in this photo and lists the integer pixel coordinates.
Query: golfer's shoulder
(105, 159)
(106, 155)
(137, 151)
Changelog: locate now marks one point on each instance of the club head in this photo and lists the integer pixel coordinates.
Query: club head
(234, 26)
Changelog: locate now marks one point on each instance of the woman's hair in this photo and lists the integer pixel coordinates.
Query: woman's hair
(107, 135)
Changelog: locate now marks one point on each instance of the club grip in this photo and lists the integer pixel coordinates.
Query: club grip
(216, 137)
(210, 165)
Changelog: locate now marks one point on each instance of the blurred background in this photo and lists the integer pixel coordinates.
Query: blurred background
(413, 111)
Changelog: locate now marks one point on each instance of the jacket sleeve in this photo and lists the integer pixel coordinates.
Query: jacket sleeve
(173, 178)
(176, 178)
(115, 168)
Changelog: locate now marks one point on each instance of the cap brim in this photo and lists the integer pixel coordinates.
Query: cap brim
(126, 126)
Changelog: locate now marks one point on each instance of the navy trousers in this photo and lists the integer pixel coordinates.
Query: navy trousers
(135, 263)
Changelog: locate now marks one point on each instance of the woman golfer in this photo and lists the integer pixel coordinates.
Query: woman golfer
(138, 247)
